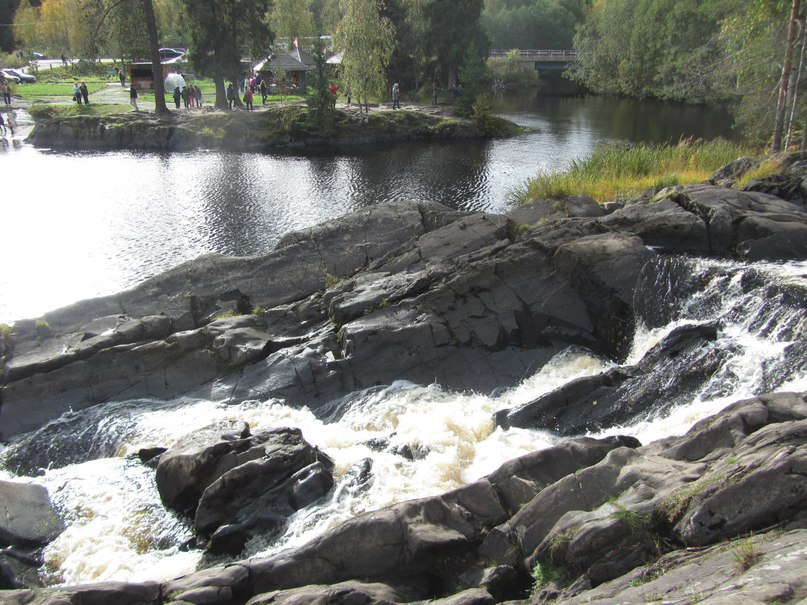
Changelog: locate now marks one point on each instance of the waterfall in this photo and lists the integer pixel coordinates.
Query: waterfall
(404, 440)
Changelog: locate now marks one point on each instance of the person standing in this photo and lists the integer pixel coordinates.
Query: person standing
(348, 92)
(76, 93)
(85, 93)
(230, 95)
(396, 96)
(177, 96)
(6, 93)
(264, 92)
(133, 97)
(197, 94)
(122, 77)
(248, 99)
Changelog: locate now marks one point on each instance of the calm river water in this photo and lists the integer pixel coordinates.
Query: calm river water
(78, 225)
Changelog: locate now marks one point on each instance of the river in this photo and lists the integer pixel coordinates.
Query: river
(81, 224)
(78, 225)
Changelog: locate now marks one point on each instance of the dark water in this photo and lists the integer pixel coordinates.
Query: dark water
(77, 225)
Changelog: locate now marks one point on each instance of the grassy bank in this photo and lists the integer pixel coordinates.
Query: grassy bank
(617, 171)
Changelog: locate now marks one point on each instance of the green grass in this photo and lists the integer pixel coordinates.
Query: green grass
(62, 91)
(746, 554)
(617, 171)
(543, 574)
(45, 110)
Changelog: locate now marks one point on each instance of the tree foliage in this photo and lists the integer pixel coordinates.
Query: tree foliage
(367, 40)
(697, 51)
(453, 26)
(475, 82)
(220, 31)
(652, 48)
(532, 24)
(292, 19)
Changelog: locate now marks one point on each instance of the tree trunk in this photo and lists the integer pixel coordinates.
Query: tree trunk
(781, 104)
(795, 80)
(221, 93)
(156, 65)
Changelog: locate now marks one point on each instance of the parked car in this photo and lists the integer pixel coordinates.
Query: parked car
(8, 76)
(23, 77)
(38, 56)
(170, 53)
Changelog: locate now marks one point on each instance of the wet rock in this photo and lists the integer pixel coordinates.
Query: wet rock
(235, 487)
(27, 517)
(670, 372)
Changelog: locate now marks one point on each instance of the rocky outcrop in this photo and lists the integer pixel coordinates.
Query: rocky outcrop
(717, 512)
(472, 301)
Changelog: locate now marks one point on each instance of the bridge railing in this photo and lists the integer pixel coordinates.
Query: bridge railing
(551, 54)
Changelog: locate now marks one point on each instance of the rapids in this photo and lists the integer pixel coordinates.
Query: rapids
(405, 440)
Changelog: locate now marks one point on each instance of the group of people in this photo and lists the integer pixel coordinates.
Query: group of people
(80, 92)
(8, 123)
(248, 88)
(190, 95)
(255, 84)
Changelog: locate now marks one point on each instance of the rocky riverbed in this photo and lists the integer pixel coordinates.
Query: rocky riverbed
(471, 301)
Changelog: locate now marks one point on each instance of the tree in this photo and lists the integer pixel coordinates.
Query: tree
(321, 102)
(8, 8)
(667, 49)
(26, 26)
(752, 38)
(366, 39)
(218, 30)
(475, 80)
(532, 24)
(292, 19)
(327, 15)
(156, 65)
(784, 83)
(452, 26)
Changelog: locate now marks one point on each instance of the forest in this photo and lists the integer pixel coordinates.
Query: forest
(744, 54)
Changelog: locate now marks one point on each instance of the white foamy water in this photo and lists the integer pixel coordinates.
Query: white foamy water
(117, 529)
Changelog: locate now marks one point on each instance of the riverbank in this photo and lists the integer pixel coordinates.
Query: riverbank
(98, 127)
(473, 301)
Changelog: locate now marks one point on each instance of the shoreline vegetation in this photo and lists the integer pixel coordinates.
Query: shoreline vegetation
(619, 171)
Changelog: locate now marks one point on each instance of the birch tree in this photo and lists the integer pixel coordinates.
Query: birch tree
(781, 105)
(367, 41)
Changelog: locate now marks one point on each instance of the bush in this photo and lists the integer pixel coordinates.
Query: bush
(509, 74)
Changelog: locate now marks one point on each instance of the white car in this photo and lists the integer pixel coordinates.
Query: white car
(22, 76)
(4, 73)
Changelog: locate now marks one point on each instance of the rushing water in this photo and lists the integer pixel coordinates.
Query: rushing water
(118, 529)
(86, 224)
(78, 225)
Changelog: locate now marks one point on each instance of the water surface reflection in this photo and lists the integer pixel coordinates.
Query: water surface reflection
(77, 225)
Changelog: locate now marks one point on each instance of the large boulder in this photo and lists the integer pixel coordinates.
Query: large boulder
(28, 522)
(241, 485)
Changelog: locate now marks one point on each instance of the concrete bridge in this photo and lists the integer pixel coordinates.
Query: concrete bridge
(542, 60)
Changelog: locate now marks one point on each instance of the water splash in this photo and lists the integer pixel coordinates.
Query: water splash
(408, 441)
